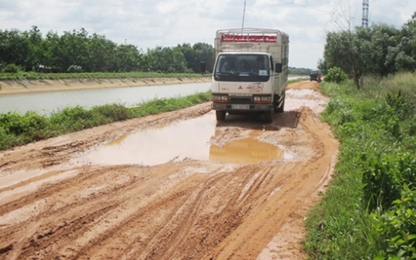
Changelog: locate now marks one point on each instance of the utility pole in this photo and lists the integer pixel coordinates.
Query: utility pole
(366, 5)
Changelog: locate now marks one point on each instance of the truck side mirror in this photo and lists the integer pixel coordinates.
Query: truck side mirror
(202, 67)
(278, 68)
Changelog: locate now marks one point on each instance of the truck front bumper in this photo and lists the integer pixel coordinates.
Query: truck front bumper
(241, 107)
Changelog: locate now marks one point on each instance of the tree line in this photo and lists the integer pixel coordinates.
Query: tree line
(299, 71)
(77, 51)
(379, 50)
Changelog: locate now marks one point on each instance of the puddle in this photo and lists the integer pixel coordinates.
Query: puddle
(247, 150)
(186, 139)
(157, 145)
(297, 98)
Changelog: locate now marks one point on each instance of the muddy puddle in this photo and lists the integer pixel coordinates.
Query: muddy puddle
(200, 139)
(305, 98)
(248, 150)
(193, 139)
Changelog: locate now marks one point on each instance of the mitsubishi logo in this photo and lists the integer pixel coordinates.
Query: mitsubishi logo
(240, 87)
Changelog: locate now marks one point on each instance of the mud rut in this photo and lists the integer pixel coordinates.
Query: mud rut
(54, 207)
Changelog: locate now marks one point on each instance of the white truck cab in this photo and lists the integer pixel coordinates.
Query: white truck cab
(250, 72)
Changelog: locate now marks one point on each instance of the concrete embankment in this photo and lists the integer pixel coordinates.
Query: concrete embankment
(34, 86)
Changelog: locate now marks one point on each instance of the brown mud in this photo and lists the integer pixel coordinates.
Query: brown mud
(56, 202)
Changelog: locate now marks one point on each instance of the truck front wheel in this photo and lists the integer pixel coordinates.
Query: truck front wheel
(220, 115)
(268, 116)
(281, 106)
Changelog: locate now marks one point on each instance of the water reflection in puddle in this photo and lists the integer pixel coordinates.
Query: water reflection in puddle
(186, 139)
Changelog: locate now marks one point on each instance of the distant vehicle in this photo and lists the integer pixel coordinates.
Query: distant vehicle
(315, 75)
(250, 72)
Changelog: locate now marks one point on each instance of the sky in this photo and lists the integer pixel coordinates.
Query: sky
(167, 23)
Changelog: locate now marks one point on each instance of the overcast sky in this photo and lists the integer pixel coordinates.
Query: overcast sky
(167, 23)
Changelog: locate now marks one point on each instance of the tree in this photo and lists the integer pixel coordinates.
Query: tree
(376, 44)
(101, 54)
(35, 55)
(189, 55)
(166, 59)
(379, 50)
(14, 48)
(203, 52)
(52, 53)
(406, 58)
(127, 58)
(76, 50)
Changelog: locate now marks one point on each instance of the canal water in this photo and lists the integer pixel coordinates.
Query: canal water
(46, 103)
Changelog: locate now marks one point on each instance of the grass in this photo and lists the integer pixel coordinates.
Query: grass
(368, 209)
(17, 129)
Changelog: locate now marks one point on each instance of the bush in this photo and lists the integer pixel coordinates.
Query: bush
(11, 68)
(336, 75)
(12, 123)
(74, 68)
(396, 228)
(113, 112)
(74, 118)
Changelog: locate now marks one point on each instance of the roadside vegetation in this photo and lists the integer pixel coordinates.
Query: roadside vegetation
(369, 208)
(379, 50)
(17, 129)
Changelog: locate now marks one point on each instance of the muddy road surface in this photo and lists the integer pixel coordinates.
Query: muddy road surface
(173, 186)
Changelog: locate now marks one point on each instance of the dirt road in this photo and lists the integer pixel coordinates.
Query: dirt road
(58, 202)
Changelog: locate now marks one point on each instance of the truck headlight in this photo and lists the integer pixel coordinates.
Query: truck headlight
(262, 99)
(220, 98)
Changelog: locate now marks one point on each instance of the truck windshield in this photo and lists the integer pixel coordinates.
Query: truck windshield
(242, 67)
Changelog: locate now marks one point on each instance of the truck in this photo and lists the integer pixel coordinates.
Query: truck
(250, 72)
(315, 75)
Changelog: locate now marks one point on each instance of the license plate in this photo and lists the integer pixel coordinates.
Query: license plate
(240, 106)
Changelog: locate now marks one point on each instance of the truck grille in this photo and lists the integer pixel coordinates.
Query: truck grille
(242, 100)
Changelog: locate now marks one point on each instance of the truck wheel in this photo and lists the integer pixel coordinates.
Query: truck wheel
(220, 115)
(275, 102)
(268, 116)
(281, 106)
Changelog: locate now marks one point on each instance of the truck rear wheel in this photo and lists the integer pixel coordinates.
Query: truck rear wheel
(220, 115)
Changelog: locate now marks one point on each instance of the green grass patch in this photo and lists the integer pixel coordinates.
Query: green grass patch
(17, 129)
(369, 208)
